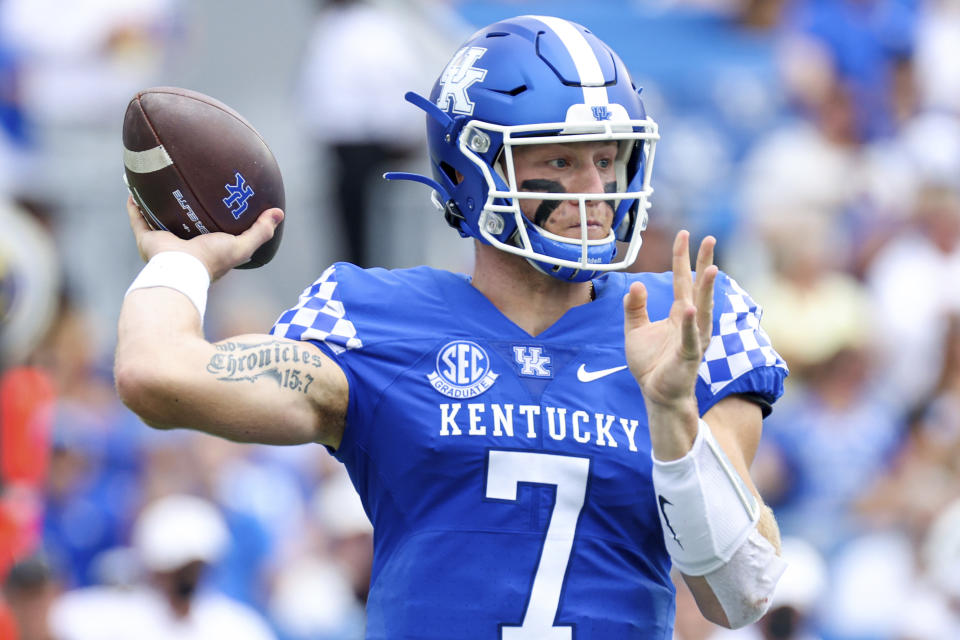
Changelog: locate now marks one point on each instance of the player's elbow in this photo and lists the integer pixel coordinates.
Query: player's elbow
(139, 388)
(740, 591)
(129, 380)
(746, 612)
(737, 609)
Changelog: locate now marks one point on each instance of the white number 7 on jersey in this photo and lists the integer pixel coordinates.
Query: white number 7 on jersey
(505, 470)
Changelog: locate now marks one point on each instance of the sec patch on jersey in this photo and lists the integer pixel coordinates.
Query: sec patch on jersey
(194, 166)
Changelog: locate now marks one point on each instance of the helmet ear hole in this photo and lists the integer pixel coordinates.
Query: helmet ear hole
(450, 172)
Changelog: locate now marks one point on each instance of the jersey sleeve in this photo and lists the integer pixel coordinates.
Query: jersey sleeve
(320, 317)
(373, 323)
(739, 358)
(352, 313)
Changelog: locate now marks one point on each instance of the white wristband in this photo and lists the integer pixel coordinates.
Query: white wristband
(176, 270)
(706, 510)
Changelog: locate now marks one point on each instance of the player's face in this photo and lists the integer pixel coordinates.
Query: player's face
(578, 167)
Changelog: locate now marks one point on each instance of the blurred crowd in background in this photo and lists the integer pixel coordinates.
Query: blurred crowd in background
(819, 140)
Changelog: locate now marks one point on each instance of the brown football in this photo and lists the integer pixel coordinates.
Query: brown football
(194, 165)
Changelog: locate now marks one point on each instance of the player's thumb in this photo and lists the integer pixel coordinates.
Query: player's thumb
(635, 307)
(260, 231)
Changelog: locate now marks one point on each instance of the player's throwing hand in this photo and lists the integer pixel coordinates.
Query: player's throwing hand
(218, 251)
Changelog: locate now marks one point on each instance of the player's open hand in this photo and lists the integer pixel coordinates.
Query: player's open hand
(664, 356)
(218, 251)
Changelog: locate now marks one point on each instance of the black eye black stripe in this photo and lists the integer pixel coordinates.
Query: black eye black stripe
(547, 207)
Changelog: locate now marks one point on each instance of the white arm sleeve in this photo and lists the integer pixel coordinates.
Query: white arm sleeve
(709, 519)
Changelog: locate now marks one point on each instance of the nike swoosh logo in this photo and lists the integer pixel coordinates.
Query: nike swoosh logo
(663, 501)
(589, 376)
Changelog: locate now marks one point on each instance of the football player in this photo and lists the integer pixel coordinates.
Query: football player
(536, 443)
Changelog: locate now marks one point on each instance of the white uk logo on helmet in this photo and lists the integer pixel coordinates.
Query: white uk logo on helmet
(459, 76)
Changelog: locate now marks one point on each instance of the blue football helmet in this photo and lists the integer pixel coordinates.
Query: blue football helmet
(531, 80)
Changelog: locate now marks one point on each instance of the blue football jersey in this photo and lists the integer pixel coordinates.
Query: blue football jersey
(508, 476)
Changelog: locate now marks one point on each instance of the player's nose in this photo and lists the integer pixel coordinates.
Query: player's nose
(589, 179)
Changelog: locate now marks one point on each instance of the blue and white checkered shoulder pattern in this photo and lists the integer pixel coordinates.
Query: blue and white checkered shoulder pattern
(321, 316)
(739, 343)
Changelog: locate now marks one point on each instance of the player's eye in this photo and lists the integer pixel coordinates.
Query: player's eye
(558, 163)
(605, 163)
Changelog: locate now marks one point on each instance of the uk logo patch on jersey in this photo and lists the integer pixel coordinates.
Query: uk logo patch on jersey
(463, 370)
(532, 362)
(458, 77)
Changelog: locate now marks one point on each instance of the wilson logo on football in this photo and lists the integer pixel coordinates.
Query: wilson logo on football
(463, 370)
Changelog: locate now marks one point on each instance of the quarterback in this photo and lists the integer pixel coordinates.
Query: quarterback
(537, 443)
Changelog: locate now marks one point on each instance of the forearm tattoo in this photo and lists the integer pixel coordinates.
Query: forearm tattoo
(287, 364)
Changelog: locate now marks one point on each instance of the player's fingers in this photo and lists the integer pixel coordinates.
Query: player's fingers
(635, 307)
(259, 232)
(703, 287)
(137, 223)
(705, 254)
(682, 278)
(690, 335)
(704, 301)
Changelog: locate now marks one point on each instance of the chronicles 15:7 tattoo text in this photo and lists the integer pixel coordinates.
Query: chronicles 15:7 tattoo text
(248, 362)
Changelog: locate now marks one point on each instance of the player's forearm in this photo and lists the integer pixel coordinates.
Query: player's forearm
(157, 331)
(768, 527)
(717, 530)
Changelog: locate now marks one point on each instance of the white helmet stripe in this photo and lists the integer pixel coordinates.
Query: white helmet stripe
(584, 59)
